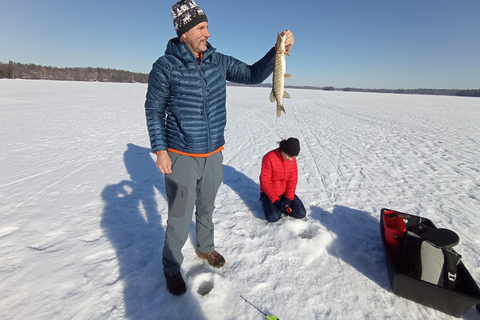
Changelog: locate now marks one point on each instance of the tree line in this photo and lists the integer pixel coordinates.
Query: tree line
(437, 92)
(15, 70)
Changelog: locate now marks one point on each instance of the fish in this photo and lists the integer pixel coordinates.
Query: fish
(279, 74)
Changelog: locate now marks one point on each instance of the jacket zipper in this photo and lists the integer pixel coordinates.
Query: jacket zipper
(207, 123)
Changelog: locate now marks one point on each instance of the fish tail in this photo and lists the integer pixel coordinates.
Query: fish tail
(280, 108)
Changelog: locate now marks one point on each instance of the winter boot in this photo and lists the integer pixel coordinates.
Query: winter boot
(214, 258)
(175, 283)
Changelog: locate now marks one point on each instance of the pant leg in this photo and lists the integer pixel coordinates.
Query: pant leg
(298, 210)
(207, 188)
(272, 214)
(180, 187)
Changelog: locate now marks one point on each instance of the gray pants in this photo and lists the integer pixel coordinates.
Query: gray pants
(194, 182)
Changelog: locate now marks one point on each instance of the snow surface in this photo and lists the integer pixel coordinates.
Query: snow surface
(83, 208)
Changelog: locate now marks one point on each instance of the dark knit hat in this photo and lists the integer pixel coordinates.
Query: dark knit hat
(186, 15)
(291, 146)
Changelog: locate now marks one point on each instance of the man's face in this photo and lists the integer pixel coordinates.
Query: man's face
(196, 38)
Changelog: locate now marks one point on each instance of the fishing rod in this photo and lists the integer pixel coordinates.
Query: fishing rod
(267, 316)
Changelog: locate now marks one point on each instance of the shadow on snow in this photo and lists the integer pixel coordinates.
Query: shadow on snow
(357, 241)
(247, 189)
(132, 222)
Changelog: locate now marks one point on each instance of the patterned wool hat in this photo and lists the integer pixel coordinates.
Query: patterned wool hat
(291, 146)
(186, 15)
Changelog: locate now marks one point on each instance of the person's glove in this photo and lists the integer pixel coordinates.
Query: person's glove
(283, 205)
(279, 204)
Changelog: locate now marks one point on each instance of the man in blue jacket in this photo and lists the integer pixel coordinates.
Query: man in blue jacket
(186, 117)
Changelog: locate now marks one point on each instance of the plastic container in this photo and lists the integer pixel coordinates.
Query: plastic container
(454, 302)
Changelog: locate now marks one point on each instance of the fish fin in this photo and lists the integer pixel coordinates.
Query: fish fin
(286, 95)
(288, 76)
(272, 96)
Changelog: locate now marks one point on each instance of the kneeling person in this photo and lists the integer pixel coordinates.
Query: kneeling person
(278, 181)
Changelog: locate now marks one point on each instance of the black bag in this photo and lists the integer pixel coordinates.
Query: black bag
(428, 255)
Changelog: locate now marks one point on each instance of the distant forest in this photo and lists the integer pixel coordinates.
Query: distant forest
(437, 92)
(15, 70)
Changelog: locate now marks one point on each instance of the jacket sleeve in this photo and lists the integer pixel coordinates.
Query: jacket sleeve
(291, 184)
(157, 94)
(240, 72)
(266, 179)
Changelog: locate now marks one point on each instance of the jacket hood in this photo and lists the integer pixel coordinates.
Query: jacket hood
(182, 51)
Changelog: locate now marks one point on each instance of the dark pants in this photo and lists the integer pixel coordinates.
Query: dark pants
(272, 214)
(193, 184)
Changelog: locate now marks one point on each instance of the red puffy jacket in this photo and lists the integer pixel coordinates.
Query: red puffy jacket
(278, 176)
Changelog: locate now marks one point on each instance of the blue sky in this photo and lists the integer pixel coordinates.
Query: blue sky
(362, 44)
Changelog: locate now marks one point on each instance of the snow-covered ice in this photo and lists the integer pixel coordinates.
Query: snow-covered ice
(83, 207)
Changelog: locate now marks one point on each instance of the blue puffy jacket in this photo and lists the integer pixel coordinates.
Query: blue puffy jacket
(185, 105)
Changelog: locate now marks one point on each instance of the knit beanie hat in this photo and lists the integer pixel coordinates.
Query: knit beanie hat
(291, 146)
(186, 15)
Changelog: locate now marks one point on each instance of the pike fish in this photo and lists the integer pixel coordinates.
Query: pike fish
(279, 75)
